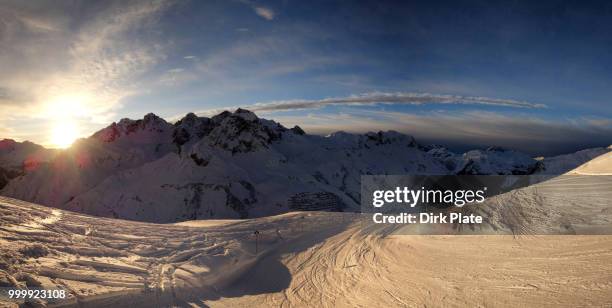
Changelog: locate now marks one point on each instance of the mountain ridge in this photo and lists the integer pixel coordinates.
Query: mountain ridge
(237, 165)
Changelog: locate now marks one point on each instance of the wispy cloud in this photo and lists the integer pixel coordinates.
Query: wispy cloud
(253, 64)
(81, 72)
(376, 98)
(264, 12)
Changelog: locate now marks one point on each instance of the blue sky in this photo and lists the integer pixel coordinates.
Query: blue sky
(531, 76)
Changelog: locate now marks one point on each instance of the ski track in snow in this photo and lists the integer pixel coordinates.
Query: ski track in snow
(100, 260)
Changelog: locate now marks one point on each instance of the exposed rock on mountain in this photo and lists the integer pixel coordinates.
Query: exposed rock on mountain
(242, 132)
(236, 165)
(496, 160)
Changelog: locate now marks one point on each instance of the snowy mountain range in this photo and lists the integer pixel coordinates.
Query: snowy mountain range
(233, 165)
(17, 158)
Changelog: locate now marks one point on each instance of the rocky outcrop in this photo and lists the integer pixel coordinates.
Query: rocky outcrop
(315, 201)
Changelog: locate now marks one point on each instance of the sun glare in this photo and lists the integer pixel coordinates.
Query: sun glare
(64, 110)
(64, 134)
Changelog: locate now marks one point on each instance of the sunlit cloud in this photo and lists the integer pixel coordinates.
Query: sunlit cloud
(5, 131)
(264, 12)
(378, 98)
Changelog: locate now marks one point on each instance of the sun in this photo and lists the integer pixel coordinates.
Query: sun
(64, 112)
(64, 133)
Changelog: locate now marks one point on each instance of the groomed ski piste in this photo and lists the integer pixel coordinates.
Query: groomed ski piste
(315, 259)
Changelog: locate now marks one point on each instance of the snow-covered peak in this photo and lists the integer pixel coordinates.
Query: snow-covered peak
(346, 140)
(7, 143)
(496, 160)
(298, 130)
(242, 131)
(245, 115)
(10, 145)
(390, 137)
(439, 151)
(150, 124)
(120, 146)
(191, 128)
(448, 158)
(22, 155)
(17, 158)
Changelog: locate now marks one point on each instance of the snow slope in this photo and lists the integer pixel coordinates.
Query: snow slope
(310, 259)
(120, 146)
(14, 154)
(601, 165)
(103, 261)
(236, 165)
(563, 163)
(17, 158)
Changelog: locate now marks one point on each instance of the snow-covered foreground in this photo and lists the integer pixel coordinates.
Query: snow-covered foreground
(297, 259)
(106, 261)
(357, 270)
(600, 165)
